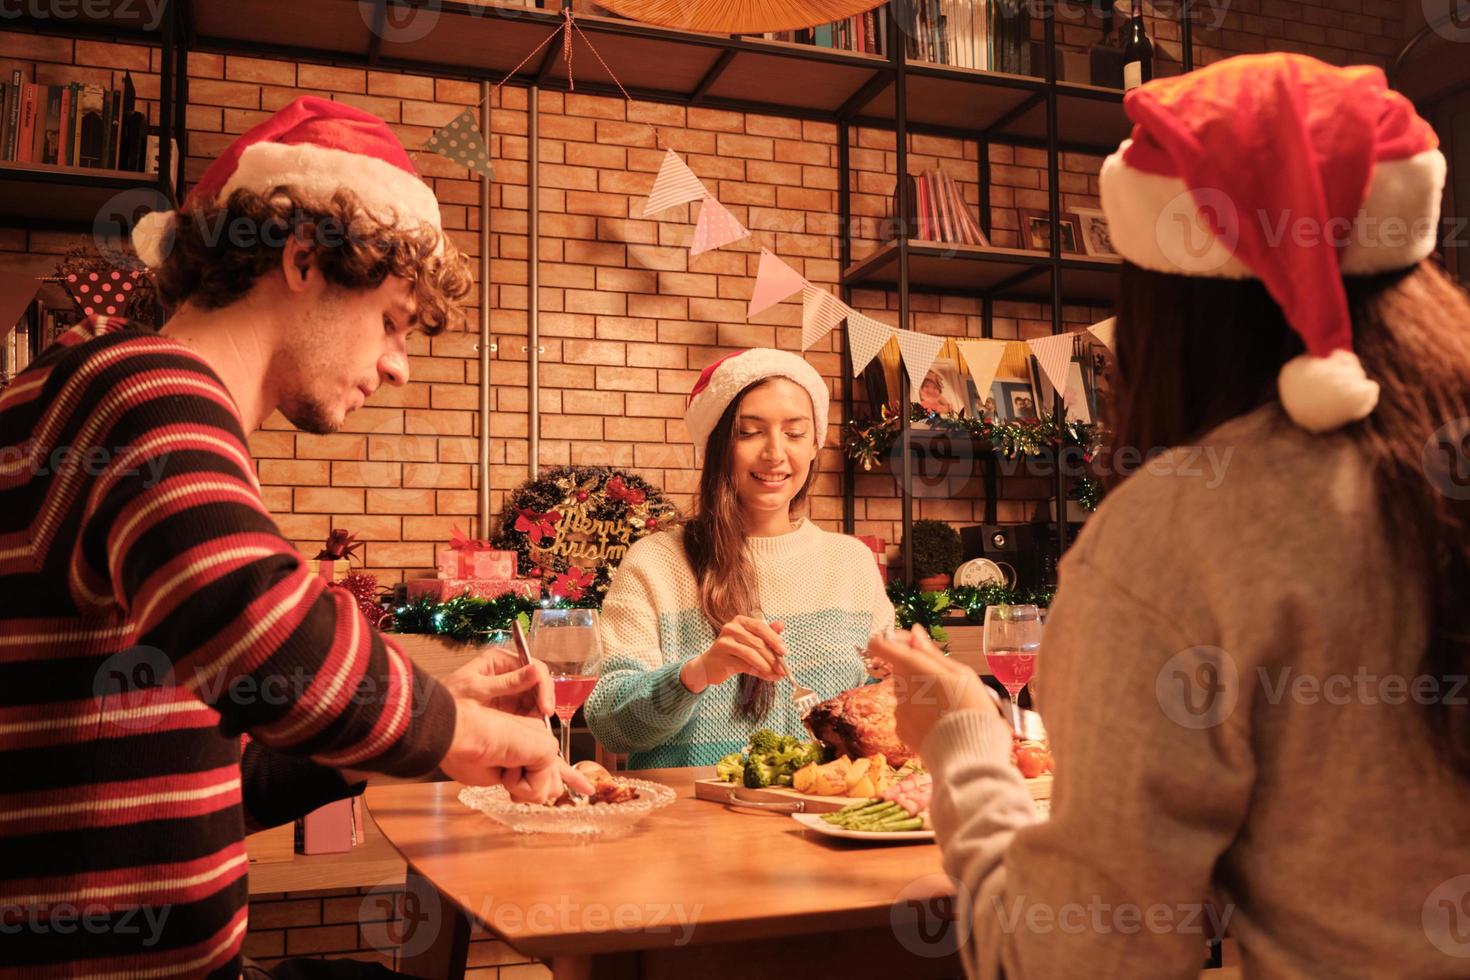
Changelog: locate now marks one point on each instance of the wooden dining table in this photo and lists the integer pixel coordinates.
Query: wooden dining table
(697, 889)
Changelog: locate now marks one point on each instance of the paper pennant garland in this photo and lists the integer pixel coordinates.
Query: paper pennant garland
(774, 281)
(1103, 330)
(866, 338)
(982, 359)
(675, 184)
(715, 228)
(1054, 354)
(103, 293)
(16, 292)
(820, 313)
(919, 351)
(462, 142)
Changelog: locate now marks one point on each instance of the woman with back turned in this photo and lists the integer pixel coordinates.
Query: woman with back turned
(1255, 671)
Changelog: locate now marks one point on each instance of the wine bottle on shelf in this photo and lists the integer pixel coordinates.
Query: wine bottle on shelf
(1138, 51)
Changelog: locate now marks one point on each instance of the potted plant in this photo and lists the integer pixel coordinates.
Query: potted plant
(937, 553)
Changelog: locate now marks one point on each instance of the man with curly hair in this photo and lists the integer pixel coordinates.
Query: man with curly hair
(171, 673)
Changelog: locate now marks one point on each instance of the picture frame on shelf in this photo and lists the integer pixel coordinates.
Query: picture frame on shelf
(1081, 395)
(1036, 226)
(1094, 234)
(1015, 400)
(945, 388)
(1012, 376)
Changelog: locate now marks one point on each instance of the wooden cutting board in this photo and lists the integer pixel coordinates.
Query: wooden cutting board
(718, 791)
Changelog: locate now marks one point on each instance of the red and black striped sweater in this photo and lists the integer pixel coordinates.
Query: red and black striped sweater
(151, 613)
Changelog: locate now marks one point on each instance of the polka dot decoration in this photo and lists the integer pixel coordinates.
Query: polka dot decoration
(461, 141)
(101, 293)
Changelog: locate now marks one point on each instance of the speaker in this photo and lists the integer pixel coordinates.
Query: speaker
(1028, 550)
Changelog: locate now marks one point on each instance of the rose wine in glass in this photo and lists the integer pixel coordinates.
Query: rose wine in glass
(1012, 641)
(567, 642)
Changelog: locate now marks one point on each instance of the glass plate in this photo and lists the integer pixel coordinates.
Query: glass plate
(596, 819)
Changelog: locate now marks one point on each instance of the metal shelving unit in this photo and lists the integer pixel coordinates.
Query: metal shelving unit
(482, 41)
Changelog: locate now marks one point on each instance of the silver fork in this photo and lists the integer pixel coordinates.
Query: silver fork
(803, 698)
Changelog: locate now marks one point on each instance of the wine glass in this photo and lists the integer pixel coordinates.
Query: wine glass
(1012, 640)
(567, 642)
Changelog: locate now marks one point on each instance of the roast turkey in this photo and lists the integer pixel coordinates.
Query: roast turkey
(859, 723)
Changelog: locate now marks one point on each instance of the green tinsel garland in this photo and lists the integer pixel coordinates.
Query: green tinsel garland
(866, 440)
(1089, 493)
(467, 619)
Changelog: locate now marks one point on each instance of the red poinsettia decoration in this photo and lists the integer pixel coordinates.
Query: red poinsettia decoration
(573, 584)
(537, 525)
(340, 544)
(618, 490)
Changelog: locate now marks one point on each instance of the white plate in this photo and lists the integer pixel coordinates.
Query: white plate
(813, 821)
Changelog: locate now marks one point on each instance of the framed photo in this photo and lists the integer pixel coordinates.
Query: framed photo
(1010, 392)
(1081, 396)
(1096, 239)
(944, 389)
(1036, 230)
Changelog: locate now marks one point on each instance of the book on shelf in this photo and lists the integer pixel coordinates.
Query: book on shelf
(72, 125)
(40, 325)
(939, 211)
(982, 34)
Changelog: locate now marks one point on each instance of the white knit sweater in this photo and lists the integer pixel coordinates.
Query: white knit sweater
(824, 587)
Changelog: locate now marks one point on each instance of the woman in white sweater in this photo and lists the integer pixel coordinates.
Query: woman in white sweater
(706, 625)
(1253, 675)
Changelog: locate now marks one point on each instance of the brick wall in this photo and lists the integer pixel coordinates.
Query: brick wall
(628, 318)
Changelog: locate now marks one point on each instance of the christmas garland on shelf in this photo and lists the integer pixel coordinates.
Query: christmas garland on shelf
(467, 619)
(866, 440)
(912, 605)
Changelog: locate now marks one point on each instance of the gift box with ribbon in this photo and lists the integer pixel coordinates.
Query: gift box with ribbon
(334, 561)
(466, 557)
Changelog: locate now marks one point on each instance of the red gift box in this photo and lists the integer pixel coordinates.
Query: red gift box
(455, 562)
(327, 829)
(879, 548)
(481, 588)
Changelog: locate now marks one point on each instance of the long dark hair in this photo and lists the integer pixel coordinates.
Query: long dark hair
(1177, 336)
(714, 542)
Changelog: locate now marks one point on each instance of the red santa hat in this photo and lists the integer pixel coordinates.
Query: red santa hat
(719, 383)
(1281, 168)
(317, 147)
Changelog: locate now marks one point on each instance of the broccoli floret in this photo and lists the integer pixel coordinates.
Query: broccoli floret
(731, 768)
(759, 773)
(765, 742)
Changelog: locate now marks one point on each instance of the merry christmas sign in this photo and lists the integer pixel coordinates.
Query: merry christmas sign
(572, 527)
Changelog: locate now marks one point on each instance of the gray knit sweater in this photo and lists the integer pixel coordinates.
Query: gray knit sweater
(1229, 680)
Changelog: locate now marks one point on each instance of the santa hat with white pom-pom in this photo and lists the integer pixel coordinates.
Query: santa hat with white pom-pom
(1280, 168)
(315, 147)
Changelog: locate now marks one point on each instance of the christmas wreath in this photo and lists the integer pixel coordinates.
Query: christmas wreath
(572, 527)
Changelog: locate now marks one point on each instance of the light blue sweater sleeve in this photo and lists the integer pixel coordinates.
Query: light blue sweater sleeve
(640, 702)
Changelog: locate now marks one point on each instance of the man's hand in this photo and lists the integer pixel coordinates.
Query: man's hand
(493, 747)
(929, 685)
(497, 679)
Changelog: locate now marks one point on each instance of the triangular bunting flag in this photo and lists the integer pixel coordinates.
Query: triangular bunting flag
(865, 337)
(675, 184)
(1054, 354)
(462, 142)
(101, 292)
(982, 358)
(774, 281)
(820, 313)
(919, 351)
(17, 289)
(715, 228)
(1103, 330)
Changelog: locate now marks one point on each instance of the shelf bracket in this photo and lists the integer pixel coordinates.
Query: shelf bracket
(712, 76)
(863, 95)
(1000, 124)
